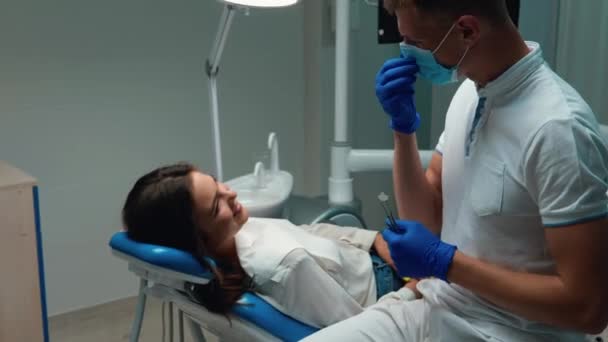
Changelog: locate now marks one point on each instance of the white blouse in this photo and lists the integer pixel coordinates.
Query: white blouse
(318, 274)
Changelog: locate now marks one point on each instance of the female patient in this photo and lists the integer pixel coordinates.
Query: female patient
(318, 274)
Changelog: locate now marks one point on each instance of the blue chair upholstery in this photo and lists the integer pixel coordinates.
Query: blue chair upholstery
(251, 307)
(257, 311)
(171, 258)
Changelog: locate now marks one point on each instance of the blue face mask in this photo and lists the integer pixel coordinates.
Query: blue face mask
(430, 69)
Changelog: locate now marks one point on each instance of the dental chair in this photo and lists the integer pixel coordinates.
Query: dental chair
(168, 274)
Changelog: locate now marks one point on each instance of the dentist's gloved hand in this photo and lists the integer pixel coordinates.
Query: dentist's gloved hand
(417, 252)
(395, 91)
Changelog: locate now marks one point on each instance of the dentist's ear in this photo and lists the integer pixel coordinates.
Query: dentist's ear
(469, 28)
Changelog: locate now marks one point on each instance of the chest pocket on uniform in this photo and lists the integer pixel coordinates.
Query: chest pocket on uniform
(488, 188)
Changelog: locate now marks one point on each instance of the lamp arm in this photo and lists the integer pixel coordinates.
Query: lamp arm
(213, 62)
(212, 68)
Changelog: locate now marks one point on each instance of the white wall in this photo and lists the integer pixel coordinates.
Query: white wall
(315, 142)
(538, 22)
(94, 93)
(582, 51)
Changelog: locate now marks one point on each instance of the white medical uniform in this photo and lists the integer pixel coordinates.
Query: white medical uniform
(520, 155)
(319, 274)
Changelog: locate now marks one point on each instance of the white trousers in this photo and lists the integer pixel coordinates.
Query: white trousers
(391, 319)
(430, 320)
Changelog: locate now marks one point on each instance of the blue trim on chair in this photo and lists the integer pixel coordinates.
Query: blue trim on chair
(256, 310)
(45, 322)
(166, 257)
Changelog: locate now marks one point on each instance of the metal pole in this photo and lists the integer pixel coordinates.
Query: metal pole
(180, 323)
(212, 70)
(139, 311)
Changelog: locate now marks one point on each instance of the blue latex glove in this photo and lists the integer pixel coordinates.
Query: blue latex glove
(417, 252)
(395, 91)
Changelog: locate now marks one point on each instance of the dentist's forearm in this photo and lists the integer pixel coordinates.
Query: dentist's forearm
(540, 298)
(416, 198)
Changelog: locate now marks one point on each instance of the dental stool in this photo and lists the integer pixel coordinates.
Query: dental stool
(166, 273)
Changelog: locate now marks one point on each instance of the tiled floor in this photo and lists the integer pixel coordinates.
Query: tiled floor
(112, 322)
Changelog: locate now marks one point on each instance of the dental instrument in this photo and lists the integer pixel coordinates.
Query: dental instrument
(392, 224)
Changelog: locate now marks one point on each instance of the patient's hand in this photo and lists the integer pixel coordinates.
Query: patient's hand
(384, 253)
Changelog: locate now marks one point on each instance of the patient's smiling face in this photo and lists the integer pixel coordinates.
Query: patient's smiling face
(217, 214)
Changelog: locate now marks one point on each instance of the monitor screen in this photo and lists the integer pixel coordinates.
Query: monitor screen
(388, 32)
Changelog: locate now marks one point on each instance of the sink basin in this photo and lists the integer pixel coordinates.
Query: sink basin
(265, 199)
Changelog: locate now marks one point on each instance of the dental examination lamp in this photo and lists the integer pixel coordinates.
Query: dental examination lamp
(213, 63)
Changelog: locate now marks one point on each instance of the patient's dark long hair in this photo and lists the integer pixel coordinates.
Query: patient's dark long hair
(160, 210)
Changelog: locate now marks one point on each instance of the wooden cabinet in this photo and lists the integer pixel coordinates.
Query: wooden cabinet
(22, 298)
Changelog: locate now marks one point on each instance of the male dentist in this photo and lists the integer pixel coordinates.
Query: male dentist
(509, 223)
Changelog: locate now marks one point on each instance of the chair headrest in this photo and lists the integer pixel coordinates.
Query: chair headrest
(171, 258)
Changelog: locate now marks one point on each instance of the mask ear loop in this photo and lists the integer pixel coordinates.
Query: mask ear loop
(456, 74)
(444, 38)
(463, 56)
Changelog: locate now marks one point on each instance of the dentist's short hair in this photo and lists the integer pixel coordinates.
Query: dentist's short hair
(493, 10)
